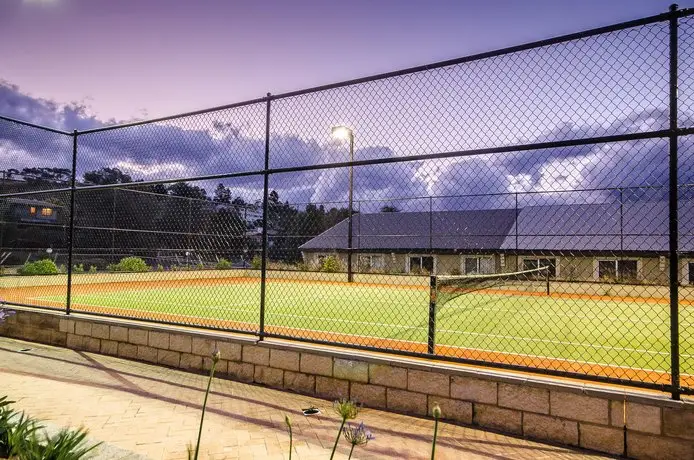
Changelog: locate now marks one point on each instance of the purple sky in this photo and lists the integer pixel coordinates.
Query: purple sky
(133, 58)
(122, 57)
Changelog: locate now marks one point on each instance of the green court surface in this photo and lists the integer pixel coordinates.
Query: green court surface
(616, 332)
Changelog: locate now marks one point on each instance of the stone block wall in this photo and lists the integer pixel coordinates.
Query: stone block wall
(606, 419)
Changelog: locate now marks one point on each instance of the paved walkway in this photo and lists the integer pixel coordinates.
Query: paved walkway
(145, 411)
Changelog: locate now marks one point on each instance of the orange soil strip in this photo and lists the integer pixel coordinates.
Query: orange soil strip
(22, 295)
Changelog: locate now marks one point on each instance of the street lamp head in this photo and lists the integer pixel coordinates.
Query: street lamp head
(342, 132)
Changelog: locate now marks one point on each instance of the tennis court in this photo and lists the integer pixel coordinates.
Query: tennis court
(605, 335)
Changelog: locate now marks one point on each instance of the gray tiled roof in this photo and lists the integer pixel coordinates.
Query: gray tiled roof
(483, 229)
(574, 227)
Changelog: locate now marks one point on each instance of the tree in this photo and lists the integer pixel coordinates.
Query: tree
(46, 175)
(222, 194)
(388, 208)
(188, 191)
(106, 176)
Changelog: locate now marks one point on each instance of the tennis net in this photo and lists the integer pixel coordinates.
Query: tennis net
(449, 287)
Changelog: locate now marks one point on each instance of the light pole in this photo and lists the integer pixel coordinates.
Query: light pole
(346, 133)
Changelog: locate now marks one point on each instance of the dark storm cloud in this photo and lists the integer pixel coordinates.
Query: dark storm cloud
(224, 142)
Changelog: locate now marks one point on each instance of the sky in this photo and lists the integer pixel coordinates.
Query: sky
(79, 64)
(135, 58)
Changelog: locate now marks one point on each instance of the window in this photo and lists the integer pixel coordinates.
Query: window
(32, 210)
(368, 262)
(531, 264)
(46, 212)
(478, 266)
(421, 264)
(618, 270)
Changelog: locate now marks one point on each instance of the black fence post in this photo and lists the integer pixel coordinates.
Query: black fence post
(673, 217)
(266, 179)
(621, 221)
(431, 341)
(71, 229)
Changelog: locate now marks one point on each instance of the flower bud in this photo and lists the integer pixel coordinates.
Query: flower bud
(436, 411)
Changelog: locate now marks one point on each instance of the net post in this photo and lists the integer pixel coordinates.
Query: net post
(431, 341)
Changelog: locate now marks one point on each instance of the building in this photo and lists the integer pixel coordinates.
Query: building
(26, 223)
(29, 211)
(609, 241)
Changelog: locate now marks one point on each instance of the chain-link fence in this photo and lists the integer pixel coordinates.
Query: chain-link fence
(529, 208)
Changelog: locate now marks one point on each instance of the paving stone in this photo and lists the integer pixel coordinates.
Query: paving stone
(432, 383)
(347, 369)
(523, 397)
(316, 364)
(284, 359)
(475, 390)
(388, 376)
(579, 407)
(368, 395)
(330, 388)
(406, 401)
(507, 420)
(602, 438)
(118, 333)
(550, 428)
(255, 354)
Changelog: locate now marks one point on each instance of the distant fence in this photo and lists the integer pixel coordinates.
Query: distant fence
(573, 153)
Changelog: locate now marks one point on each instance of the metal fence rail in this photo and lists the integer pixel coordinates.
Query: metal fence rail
(527, 208)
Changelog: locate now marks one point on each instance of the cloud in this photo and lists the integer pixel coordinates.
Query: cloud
(232, 141)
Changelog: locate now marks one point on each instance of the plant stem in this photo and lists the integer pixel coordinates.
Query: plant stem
(290, 442)
(433, 444)
(350, 451)
(337, 439)
(204, 405)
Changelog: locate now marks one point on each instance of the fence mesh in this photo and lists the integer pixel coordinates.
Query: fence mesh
(172, 222)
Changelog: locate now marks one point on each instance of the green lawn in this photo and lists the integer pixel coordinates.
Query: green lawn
(606, 332)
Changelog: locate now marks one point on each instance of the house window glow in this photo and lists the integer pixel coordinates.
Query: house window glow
(32, 210)
(46, 212)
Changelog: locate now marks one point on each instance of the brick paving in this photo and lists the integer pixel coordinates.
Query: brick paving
(144, 411)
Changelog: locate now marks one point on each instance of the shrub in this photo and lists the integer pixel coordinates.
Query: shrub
(303, 267)
(256, 262)
(40, 267)
(160, 268)
(62, 268)
(201, 266)
(92, 269)
(223, 264)
(23, 437)
(330, 264)
(129, 264)
(78, 268)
